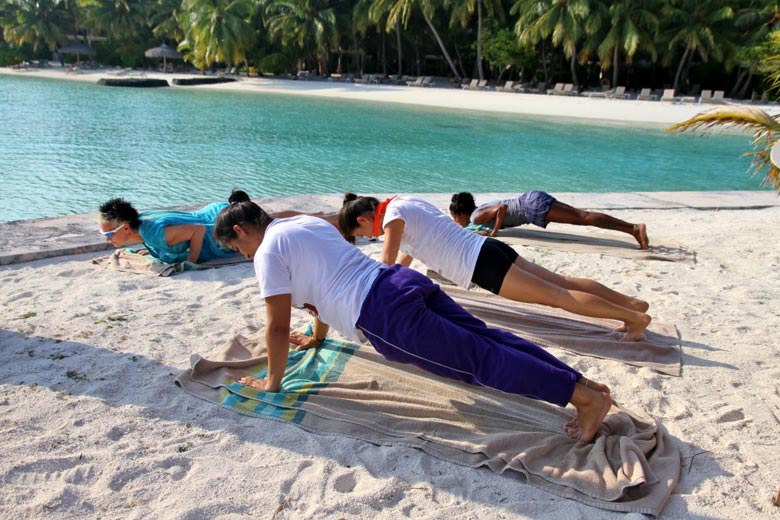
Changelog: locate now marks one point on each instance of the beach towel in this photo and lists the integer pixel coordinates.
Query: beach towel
(138, 260)
(658, 349)
(350, 390)
(597, 241)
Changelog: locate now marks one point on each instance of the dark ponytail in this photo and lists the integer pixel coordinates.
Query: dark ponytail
(352, 208)
(241, 212)
(462, 204)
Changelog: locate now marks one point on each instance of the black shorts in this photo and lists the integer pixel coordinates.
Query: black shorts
(494, 261)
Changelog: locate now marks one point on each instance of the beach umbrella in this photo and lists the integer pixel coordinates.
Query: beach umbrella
(163, 51)
(78, 49)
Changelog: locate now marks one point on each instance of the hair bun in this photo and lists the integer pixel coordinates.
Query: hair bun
(349, 197)
(237, 196)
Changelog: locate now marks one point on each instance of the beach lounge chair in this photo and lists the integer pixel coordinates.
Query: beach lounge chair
(717, 97)
(508, 87)
(427, 81)
(568, 90)
(705, 96)
(416, 83)
(668, 95)
(472, 85)
(557, 89)
(618, 93)
(482, 85)
(646, 94)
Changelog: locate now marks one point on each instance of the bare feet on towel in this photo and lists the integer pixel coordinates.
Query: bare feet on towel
(634, 329)
(253, 382)
(640, 234)
(592, 406)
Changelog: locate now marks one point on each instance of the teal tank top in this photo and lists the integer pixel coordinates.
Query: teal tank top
(152, 230)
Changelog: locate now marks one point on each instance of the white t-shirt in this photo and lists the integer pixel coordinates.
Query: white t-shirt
(435, 239)
(306, 257)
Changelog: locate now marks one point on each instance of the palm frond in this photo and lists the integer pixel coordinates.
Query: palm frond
(765, 129)
(749, 118)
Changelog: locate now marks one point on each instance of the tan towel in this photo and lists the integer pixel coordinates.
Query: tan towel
(589, 240)
(142, 262)
(658, 349)
(350, 390)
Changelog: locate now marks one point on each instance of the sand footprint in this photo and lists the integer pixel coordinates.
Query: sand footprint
(345, 483)
(731, 416)
(19, 296)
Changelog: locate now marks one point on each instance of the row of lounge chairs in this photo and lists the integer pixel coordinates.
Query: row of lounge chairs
(421, 81)
(706, 96)
(567, 89)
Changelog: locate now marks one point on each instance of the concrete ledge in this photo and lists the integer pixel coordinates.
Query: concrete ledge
(29, 240)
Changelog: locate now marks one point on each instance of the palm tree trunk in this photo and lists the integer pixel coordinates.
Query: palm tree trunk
(479, 39)
(460, 62)
(356, 56)
(400, 50)
(680, 69)
(384, 51)
(743, 91)
(417, 54)
(441, 45)
(615, 63)
(544, 66)
(573, 63)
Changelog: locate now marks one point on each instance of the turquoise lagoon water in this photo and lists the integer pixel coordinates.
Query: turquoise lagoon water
(66, 147)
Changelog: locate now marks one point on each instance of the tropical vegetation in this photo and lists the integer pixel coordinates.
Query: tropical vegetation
(726, 45)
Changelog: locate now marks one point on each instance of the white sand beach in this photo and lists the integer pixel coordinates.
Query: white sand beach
(92, 425)
(626, 111)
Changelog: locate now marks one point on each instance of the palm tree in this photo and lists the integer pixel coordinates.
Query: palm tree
(400, 11)
(163, 19)
(217, 31)
(310, 24)
(463, 10)
(37, 22)
(698, 27)
(765, 128)
(118, 18)
(632, 26)
(563, 20)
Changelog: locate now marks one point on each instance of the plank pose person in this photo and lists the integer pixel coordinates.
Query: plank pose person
(422, 231)
(538, 208)
(304, 262)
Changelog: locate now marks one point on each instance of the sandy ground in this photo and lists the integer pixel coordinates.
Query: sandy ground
(652, 112)
(92, 425)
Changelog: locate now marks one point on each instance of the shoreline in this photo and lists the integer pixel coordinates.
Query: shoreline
(508, 103)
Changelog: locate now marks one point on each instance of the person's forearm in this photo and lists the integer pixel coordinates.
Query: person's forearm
(499, 221)
(196, 244)
(320, 330)
(277, 342)
(405, 260)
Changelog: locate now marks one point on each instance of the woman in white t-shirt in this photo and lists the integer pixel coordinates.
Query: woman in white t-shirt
(304, 262)
(417, 229)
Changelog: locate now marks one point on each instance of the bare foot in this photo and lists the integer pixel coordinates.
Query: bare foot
(640, 234)
(634, 329)
(592, 406)
(589, 383)
(253, 382)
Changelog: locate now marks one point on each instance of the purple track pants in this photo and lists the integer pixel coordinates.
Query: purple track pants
(409, 319)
